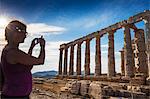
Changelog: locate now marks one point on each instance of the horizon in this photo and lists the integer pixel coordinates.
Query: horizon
(62, 21)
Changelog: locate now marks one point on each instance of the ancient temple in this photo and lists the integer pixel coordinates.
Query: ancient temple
(135, 55)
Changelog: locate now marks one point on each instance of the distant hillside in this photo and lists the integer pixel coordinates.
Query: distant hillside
(45, 74)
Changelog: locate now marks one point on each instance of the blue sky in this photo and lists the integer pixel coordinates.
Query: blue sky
(66, 20)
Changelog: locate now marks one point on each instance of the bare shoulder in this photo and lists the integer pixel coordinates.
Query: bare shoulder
(13, 55)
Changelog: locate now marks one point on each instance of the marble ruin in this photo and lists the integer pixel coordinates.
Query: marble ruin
(135, 58)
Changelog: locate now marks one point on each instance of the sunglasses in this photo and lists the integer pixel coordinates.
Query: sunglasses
(17, 29)
(21, 30)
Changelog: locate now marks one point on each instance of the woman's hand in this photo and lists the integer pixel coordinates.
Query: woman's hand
(42, 42)
(35, 41)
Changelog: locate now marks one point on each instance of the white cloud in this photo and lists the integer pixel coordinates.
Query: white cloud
(93, 19)
(44, 28)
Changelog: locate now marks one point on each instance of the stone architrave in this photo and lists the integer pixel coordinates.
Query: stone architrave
(147, 36)
(98, 57)
(78, 69)
(65, 61)
(71, 60)
(140, 51)
(128, 52)
(87, 58)
(111, 54)
(122, 63)
(60, 62)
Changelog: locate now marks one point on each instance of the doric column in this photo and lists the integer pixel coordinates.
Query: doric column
(98, 57)
(60, 62)
(111, 54)
(71, 60)
(65, 61)
(122, 63)
(78, 69)
(147, 32)
(128, 52)
(87, 58)
(140, 52)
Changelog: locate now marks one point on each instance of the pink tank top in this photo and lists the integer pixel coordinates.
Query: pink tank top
(18, 77)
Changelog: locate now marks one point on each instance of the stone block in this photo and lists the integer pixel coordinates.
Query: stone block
(138, 81)
(84, 87)
(95, 90)
(108, 91)
(148, 81)
(126, 94)
(75, 89)
(138, 95)
(145, 90)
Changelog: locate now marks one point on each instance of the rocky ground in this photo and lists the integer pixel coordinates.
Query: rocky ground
(51, 89)
(45, 88)
(86, 89)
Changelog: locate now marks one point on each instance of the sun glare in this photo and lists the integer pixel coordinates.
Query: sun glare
(3, 21)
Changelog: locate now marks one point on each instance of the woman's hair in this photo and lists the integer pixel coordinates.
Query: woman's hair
(12, 27)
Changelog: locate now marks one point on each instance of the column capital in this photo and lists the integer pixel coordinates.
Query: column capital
(112, 32)
(61, 49)
(126, 26)
(88, 39)
(66, 47)
(97, 36)
(62, 46)
(80, 42)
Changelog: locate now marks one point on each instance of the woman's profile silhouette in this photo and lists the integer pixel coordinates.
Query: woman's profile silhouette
(16, 64)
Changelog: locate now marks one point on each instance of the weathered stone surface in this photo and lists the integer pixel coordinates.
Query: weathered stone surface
(129, 60)
(75, 89)
(64, 89)
(111, 54)
(122, 62)
(147, 32)
(148, 81)
(140, 52)
(98, 57)
(138, 80)
(87, 58)
(65, 61)
(84, 87)
(60, 62)
(71, 65)
(95, 90)
(78, 69)
(138, 95)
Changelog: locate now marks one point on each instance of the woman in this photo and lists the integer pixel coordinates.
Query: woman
(16, 64)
